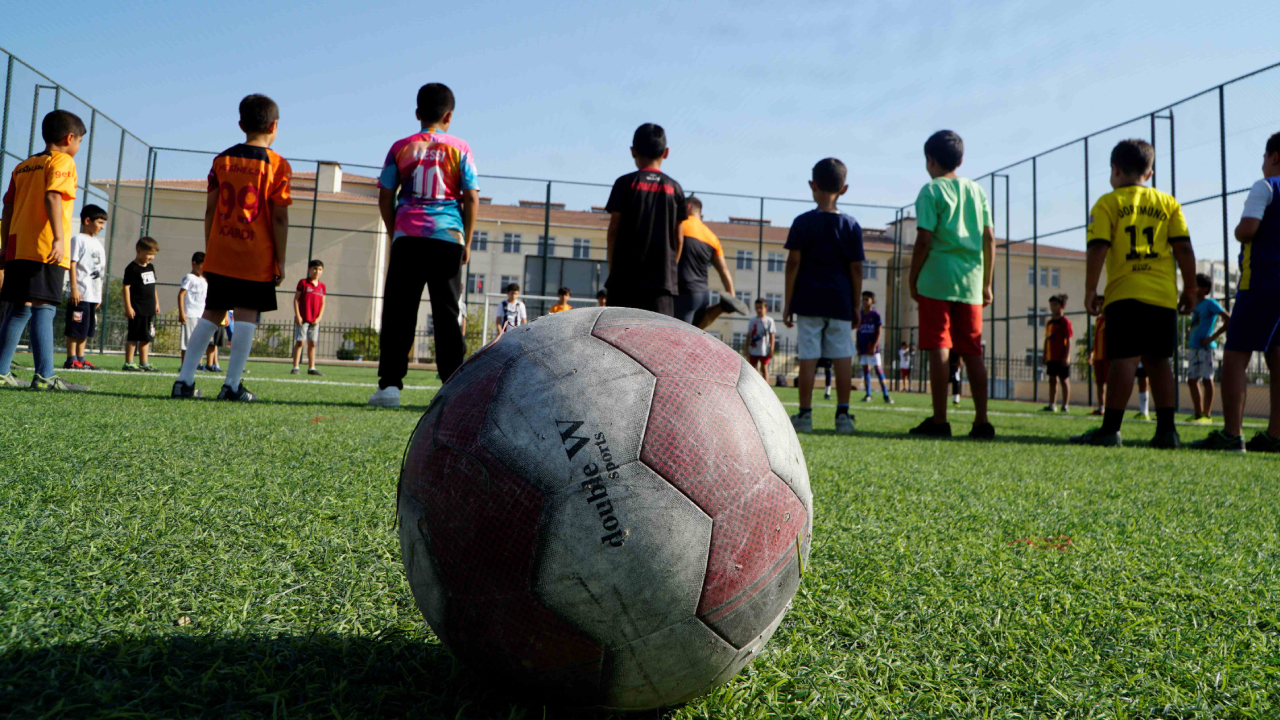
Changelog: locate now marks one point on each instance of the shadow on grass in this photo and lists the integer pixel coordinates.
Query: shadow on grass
(258, 676)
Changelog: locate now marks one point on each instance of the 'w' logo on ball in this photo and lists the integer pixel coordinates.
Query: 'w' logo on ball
(567, 430)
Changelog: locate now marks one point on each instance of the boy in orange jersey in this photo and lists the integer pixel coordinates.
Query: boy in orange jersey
(34, 252)
(564, 293)
(246, 227)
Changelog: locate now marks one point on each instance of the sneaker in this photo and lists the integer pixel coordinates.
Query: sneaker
(183, 390)
(295, 370)
(844, 424)
(888, 400)
(826, 394)
(1141, 416)
(1064, 410)
(731, 304)
(1202, 420)
(386, 397)
(1219, 440)
(86, 365)
(1097, 438)
(131, 367)
(1048, 408)
(955, 400)
(983, 431)
(214, 369)
(10, 381)
(201, 367)
(1262, 442)
(148, 367)
(240, 394)
(802, 423)
(866, 398)
(1167, 440)
(1097, 411)
(313, 371)
(56, 383)
(69, 364)
(929, 428)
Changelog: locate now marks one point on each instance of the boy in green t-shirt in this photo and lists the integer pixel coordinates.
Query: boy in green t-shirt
(951, 273)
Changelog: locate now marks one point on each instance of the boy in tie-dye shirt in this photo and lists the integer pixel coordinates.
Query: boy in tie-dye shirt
(427, 195)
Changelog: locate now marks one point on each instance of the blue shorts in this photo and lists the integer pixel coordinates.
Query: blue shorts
(1255, 322)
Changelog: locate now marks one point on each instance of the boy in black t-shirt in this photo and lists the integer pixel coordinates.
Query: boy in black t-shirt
(646, 209)
(141, 305)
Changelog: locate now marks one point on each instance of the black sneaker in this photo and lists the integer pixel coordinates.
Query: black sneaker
(1097, 438)
(929, 428)
(314, 371)
(183, 390)
(731, 304)
(1167, 440)
(983, 431)
(69, 364)
(1264, 443)
(148, 367)
(1219, 440)
(240, 394)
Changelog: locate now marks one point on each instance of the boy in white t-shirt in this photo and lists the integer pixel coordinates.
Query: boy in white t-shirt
(904, 367)
(761, 339)
(191, 295)
(85, 292)
(511, 312)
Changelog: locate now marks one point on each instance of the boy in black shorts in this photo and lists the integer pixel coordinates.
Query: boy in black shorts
(141, 306)
(1057, 353)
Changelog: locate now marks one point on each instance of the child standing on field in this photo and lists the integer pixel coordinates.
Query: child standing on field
(1098, 356)
(951, 273)
(511, 312)
(90, 260)
(823, 278)
(870, 331)
(1140, 235)
(1201, 343)
(905, 352)
(564, 293)
(1057, 352)
(34, 253)
(141, 306)
(191, 294)
(761, 339)
(246, 226)
(308, 307)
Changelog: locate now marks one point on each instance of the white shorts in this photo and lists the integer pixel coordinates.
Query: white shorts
(306, 331)
(1200, 364)
(821, 337)
(187, 328)
(869, 360)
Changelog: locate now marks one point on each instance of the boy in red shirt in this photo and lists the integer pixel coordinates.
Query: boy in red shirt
(1057, 352)
(308, 306)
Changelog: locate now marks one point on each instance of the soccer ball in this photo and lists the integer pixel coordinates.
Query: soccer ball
(607, 507)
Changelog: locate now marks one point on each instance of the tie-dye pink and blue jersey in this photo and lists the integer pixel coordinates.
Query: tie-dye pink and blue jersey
(432, 171)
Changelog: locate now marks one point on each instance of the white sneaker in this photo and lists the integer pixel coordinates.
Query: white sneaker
(386, 397)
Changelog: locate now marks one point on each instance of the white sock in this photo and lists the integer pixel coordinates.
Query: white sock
(1143, 402)
(200, 337)
(240, 346)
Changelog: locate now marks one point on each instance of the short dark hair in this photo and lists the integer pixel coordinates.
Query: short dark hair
(197, 257)
(946, 148)
(649, 141)
(829, 174)
(316, 263)
(760, 301)
(1133, 156)
(693, 202)
(1203, 280)
(92, 212)
(868, 293)
(602, 293)
(1273, 144)
(257, 112)
(564, 291)
(434, 100)
(513, 287)
(59, 124)
(1056, 299)
(147, 243)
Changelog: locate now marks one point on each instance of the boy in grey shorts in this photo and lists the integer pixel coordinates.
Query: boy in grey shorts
(308, 307)
(824, 276)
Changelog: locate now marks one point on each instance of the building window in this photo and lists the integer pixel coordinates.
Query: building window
(582, 248)
(475, 283)
(773, 302)
(739, 339)
(511, 243)
(715, 298)
(1053, 277)
(775, 262)
(1044, 277)
(746, 259)
(479, 240)
(1044, 316)
(1033, 356)
(744, 296)
(1031, 317)
(506, 281)
(550, 246)
(869, 269)
(1031, 275)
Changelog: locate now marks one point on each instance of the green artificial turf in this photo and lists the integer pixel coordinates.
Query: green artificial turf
(177, 559)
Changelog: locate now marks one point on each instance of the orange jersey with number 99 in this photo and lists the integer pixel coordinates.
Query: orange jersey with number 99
(250, 182)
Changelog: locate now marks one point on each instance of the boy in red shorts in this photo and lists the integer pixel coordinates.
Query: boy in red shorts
(951, 274)
(1099, 356)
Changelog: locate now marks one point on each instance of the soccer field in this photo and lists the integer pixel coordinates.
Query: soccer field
(168, 559)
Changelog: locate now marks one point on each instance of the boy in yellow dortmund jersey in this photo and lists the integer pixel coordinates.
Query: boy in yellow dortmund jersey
(1141, 236)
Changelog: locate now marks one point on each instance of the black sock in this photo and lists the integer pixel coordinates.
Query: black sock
(1164, 420)
(1111, 420)
(805, 411)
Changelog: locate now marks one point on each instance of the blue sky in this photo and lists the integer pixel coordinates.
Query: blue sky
(751, 93)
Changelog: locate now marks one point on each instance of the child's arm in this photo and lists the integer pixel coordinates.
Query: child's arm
(1222, 330)
(773, 342)
(128, 304)
(470, 205)
(1095, 259)
(75, 290)
(297, 307)
(6, 217)
(210, 209)
(793, 269)
(182, 306)
(919, 254)
(324, 299)
(855, 274)
(988, 264)
(1186, 258)
(875, 347)
(387, 209)
(679, 240)
(610, 235)
(53, 208)
(280, 237)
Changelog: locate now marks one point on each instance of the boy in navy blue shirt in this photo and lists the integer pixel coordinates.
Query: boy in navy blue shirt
(824, 281)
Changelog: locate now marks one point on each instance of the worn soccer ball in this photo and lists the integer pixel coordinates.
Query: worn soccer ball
(607, 507)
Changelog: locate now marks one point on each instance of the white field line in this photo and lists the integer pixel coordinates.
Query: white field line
(855, 408)
(249, 380)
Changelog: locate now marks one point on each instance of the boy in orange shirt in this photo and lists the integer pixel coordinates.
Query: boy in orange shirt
(35, 255)
(564, 293)
(246, 227)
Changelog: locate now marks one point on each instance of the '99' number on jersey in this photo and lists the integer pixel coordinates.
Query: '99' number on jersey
(246, 199)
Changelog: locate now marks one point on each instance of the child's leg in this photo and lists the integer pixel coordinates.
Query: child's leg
(1100, 380)
(1066, 391)
(880, 377)
(807, 370)
(939, 379)
(1193, 385)
(71, 348)
(1207, 405)
(42, 337)
(144, 352)
(977, 370)
(866, 378)
(1164, 387)
(201, 336)
(1053, 390)
(827, 372)
(11, 334)
(1235, 389)
(1119, 389)
(241, 344)
(311, 355)
(129, 348)
(297, 352)
(843, 369)
(1273, 419)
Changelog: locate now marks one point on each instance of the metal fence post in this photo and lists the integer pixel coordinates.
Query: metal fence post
(760, 255)
(1088, 328)
(88, 159)
(315, 203)
(111, 243)
(991, 374)
(1035, 287)
(546, 240)
(1222, 138)
(4, 124)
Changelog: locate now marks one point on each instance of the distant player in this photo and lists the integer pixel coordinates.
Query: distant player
(35, 254)
(1140, 235)
(905, 353)
(428, 194)
(564, 294)
(1202, 340)
(824, 364)
(953, 376)
(761, 339)
(1255, 316)
(192, 292)
(141, 306)
(823, 278)
(1057, 352)
(870, 332)
(951, 275)
(646, 213)
(602, 297)
(511, 312)
(1098, 356)
(702, 250)
(309, 299)
(246, 226)
(90, 261)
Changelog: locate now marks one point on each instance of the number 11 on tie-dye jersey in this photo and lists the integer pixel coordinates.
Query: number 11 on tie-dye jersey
(429, 173)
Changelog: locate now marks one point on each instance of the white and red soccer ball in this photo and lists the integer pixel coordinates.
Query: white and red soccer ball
(607, 507)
